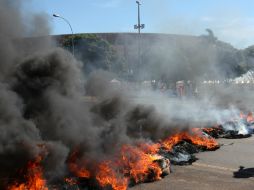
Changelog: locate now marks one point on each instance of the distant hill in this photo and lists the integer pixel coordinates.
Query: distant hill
(162, 56)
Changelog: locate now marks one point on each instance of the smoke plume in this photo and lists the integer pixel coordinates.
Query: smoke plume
(44, 112)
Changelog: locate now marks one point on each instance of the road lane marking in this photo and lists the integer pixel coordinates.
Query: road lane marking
(214, 167)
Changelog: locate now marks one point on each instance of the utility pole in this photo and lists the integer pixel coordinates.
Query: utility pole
(139, 27)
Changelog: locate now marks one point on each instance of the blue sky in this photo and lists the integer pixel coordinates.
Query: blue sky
(231, 20)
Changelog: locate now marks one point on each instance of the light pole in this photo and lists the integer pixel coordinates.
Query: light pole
(59, 16)
(139, 27)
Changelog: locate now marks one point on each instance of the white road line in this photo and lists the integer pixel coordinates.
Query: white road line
(214, 167)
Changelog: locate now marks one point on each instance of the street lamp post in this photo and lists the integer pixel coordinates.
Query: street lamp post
(139, 27)
(59, 16)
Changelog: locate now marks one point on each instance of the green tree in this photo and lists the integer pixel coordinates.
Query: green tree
(94, 52)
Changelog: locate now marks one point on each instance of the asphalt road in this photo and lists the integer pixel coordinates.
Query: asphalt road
(215, 170)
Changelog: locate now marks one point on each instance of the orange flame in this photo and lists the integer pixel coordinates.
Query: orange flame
(138, 164)
(78, 169)
(198, 139)
(250, 117)
(195, 137)
(172, 140)
(134, 164)
(109, 176)
(210, 129)
(70, 181)
(34, 179)
(150, 148)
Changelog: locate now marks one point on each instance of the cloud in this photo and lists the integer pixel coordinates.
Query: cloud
(237, 31)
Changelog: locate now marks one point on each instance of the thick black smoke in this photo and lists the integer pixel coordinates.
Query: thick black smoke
(40, 92)
(42, 109)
